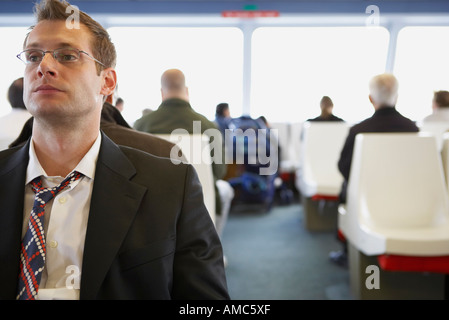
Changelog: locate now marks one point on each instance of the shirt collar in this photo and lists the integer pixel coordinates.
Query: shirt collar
(86, 166)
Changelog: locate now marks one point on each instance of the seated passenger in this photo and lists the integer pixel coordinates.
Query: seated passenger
(440, 107)
(223, 117)
(120, 229)
(383, 96)
(327, 107)
(175, 112)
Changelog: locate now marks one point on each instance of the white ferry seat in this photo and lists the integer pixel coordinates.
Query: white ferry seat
(397, 202)
(318, 176)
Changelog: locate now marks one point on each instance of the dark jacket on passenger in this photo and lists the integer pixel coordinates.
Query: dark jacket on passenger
(331, 118)
(386, 119)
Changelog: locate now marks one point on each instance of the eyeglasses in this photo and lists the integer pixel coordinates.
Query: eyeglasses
(62, 55)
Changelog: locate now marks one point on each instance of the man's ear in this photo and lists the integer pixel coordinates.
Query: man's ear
(109, 81)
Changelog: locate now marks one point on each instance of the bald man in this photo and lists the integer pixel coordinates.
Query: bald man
(173, 85)
(175, 112)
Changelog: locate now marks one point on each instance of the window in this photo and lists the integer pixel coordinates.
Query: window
(422, 67)
(293, 67)
(11, 67)
(211, 59)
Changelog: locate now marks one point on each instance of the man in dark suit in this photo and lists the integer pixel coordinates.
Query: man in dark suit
(383, 96)
(129, 225)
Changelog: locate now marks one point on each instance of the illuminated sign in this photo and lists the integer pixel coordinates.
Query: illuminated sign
(250, 14)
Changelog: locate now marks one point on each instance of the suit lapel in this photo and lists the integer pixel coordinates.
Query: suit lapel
(12, 188)
(115, 201)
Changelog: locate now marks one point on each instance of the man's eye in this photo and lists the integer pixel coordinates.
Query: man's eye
(67, 57)
(34, 57)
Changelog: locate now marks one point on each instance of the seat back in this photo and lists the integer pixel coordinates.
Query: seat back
(283, 136)
(320, 150)
(436, 128)
(445, 156)
(396, 194)
(295, 145)
(196, 149)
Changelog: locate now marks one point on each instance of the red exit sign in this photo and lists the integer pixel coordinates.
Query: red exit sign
(250, 14)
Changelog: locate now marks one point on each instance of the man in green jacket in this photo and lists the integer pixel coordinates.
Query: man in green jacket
(175, 112)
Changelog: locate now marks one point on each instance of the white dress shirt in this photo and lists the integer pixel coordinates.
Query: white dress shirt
(65, 225)
(440, 114)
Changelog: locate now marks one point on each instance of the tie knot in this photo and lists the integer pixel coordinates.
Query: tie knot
(36, 184)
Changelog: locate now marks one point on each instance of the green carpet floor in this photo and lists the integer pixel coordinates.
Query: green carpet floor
(271, 256)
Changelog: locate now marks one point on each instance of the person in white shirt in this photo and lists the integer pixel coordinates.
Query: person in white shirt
(440, 107)
(12, 123)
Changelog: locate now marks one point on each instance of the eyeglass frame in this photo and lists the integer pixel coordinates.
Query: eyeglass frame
(54, 56)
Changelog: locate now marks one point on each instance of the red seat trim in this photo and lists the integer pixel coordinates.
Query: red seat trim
(324, 197)
(392, 262)
(341, 236)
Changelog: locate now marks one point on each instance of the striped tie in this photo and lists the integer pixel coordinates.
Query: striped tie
(32, 255)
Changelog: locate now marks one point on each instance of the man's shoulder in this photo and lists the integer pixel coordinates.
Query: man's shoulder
(205, 122)
(336, 118)
(362, 124)
(145, 120)
(141, 140)
(6, 153)
(13, 157)
(147, 162)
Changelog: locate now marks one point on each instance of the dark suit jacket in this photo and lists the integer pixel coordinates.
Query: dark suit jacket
(149, 235)
(386, 119)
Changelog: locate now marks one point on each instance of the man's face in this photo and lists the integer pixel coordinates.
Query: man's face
(61, 90)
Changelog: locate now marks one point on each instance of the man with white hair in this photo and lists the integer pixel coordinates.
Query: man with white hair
(383, 96)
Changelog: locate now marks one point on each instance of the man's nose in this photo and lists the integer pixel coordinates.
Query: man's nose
(48, 65)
